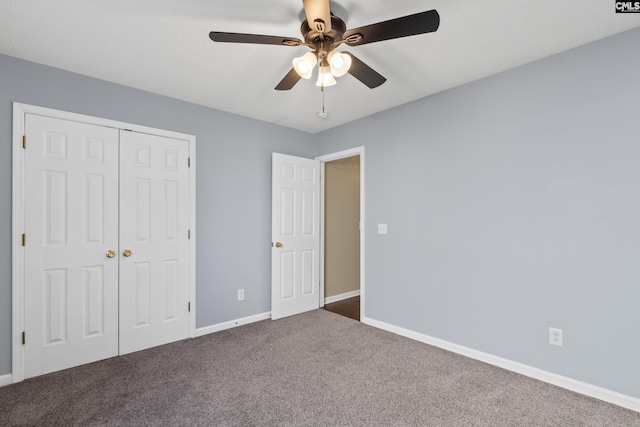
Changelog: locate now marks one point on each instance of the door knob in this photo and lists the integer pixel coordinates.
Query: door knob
(279, 245)
(126, 253)
(111, 253)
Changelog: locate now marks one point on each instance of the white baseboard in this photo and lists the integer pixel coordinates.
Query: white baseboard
(340, 297)
(606, 395)
(6, 380)
(232, 324)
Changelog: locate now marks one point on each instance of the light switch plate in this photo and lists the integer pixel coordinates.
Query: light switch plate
(382, 228)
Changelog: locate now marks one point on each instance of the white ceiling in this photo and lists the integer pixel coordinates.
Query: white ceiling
(162, 46)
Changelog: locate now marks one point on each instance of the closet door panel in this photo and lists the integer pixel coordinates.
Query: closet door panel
(70, 222)
(154, 224)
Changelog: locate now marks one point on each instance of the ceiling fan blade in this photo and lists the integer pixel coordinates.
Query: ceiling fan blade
(289, 80)
(217, 36)
(364, 73)
(318, 15)
(410, 25)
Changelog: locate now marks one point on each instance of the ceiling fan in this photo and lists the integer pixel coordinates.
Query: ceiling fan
(323, 32)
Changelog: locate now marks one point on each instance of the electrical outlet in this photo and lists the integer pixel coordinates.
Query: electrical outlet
(240, 294)
(555, 337)
(382, 228)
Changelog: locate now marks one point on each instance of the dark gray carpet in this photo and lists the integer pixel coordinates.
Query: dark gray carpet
(314, 369)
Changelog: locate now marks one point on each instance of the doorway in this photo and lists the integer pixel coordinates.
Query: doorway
(342, 239)
(342, 236)
(298, 238)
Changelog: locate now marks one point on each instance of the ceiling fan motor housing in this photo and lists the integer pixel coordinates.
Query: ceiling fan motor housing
(311, 36)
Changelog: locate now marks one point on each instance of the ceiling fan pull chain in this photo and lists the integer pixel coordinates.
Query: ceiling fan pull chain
(322, 114)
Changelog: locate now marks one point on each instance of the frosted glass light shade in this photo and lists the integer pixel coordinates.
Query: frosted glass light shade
(340, 63)
(304, 64)
(325, 78)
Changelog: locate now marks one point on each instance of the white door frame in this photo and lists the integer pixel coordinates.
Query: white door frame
(18, 190)
(357, 151)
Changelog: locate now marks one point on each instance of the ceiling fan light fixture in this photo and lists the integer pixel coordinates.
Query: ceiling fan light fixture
(304, 64)
(340, 63)
(322, 31)
(325, 78)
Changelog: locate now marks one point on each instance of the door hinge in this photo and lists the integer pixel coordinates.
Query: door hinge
(189, 306)
(188, 162)
(24, 141)
(24, 337)
(24, 239)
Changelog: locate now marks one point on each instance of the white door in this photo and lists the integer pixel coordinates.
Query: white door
(295, 234)
(154, 245)
(70, 223)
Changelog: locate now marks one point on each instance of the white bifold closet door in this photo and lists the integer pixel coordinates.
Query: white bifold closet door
(90, 193)
(154, 246)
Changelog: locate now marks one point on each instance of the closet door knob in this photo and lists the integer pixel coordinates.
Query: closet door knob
(126, 253)
(111, 253)
(279, 245)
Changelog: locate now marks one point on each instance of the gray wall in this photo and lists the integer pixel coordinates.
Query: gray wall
(513, 204)
(233, 182)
